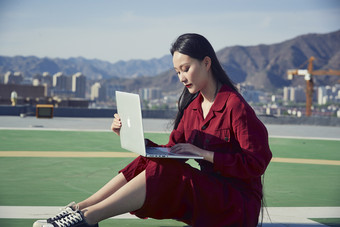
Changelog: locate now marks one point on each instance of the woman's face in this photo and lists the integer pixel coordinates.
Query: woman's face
(191, 72)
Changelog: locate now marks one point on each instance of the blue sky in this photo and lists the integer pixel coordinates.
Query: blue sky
(122, 30)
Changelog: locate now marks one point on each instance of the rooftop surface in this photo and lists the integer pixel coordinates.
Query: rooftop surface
(40, 162)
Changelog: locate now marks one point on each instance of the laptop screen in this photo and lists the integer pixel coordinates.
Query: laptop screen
(131, 133)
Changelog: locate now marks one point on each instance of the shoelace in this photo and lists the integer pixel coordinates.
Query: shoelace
(64, 211)
(73, 218)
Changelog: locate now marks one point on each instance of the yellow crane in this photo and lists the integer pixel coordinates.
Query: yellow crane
(308, 75)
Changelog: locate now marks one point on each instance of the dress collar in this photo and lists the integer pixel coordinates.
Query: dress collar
(220, 100)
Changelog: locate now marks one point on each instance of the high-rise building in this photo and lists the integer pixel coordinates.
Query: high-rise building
(329, 94)
(13, 78)
(98, 92)
(286, 94)
(322, 95)
(294, 94)
(297, 94)
(46, 79)
(59, 81)
(110, 90)
(7, 77)
(150, 93)
(79, 85)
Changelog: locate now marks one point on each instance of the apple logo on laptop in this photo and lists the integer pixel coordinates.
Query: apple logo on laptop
(128, 122)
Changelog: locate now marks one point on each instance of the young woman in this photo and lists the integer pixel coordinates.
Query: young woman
(213, 121)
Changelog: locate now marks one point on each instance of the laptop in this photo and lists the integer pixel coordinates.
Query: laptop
(132, 134)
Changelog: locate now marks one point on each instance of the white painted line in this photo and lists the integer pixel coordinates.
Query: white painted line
(305, 137)
(56, 129)
(299, 215)
(38, 212)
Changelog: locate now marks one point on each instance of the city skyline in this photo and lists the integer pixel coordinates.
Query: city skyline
(113, 31)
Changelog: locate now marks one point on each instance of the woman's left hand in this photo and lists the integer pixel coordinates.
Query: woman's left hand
(181, 148)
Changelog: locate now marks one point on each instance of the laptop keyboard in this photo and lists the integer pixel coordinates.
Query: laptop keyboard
(159, 150)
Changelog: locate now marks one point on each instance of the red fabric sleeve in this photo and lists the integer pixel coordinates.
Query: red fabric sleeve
(252, 150)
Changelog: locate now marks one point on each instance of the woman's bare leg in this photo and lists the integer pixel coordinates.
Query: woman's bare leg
(107, 190)
(128, 198)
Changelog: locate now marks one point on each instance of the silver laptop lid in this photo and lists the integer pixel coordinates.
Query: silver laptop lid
(131, 133)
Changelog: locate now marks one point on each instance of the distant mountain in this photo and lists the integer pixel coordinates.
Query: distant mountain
(93, 69)
(263, 66)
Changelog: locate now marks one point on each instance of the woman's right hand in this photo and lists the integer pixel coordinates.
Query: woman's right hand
(116, 124)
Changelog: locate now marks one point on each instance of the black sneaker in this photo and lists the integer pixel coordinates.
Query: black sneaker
(65, 211)
(74, 219)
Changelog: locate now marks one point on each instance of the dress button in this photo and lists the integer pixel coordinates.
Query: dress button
(226, 139)
(204, 127)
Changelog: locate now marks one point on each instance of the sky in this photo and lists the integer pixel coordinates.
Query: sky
(112, 30)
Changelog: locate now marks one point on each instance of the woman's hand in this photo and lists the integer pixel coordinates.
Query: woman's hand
(116, 124)
(181, 148)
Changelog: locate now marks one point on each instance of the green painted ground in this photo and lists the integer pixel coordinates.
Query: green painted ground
(58, 181)
(106, 223)
(32, 140)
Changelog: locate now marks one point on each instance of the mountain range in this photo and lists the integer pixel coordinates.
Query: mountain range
(262, 66)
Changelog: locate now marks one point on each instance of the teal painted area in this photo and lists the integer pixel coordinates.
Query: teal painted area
(58, 181)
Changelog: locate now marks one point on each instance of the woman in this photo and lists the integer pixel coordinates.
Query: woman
(213, 121)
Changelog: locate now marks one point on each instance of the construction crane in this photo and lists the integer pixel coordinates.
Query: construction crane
(308, 75)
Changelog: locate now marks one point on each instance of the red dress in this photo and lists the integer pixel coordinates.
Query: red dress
(226, 193)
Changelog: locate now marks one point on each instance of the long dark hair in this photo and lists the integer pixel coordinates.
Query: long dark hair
(198, 47)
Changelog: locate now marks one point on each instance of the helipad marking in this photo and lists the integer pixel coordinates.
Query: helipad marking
(95, 154)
